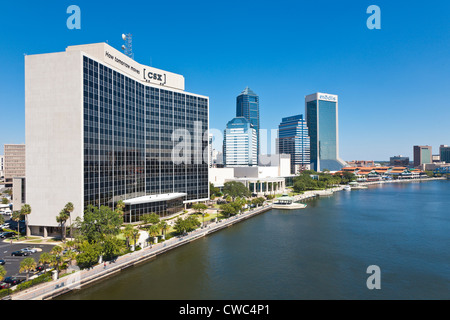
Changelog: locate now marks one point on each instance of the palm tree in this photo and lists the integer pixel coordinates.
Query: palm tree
(45, 259)
(163, 226)
(61, 219)
(153, 230)
(135, 235)
(56, 260)
(27, 265)
(25, 211)
(128, 233)
(69, 209)
(16, 217)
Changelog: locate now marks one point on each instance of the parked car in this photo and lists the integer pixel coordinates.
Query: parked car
(4, 235)
(4, 285)
(2, 262)
(40, 268)
(29, 250)
(13, 280)
(20, 253)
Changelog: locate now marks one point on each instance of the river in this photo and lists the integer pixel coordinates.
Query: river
(321, 252)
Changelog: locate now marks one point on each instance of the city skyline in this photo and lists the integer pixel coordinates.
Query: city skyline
(394, 73)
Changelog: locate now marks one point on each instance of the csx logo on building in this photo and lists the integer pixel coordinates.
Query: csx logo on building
(153, 76)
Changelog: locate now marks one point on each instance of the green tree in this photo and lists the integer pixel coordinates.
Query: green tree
(214, 191)
(25, 211)
(61, 219)
(88, 254)
(163, 226)
(56, 259)
(5, 201)
(128, 233)
(235, 189)
(200, 208)
(111, 247)
(16, 217)
(98, 223)
(27, 265)
(119, 207)
(180, 225)
(2, 273)
(153, 231)
(69, 209)
(135, 236)
(228, 209)
(45, 259)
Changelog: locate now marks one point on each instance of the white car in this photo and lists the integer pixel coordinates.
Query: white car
(30, 250)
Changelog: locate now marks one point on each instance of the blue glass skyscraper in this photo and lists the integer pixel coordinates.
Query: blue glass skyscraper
(321, 111)
(247, 106)
(293, 139)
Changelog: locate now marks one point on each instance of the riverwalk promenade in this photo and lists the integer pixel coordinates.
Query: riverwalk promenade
(84, 277)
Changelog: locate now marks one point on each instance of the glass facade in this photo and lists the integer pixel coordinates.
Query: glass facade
(444, 152)
(128, 143)
(247, 106)
(321, 117)
(293, 139)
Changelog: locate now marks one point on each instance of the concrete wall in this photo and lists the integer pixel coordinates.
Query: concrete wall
(53, 135)
(217, 176)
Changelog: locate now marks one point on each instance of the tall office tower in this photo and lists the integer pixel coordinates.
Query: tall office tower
(293, 139)
(101, 127)
(247, 106)
(321, 111)
(444, 152)
(239, 143)
(14, 162)
(422, 155)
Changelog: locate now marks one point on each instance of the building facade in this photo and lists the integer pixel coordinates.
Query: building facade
(112, 129)
(399, 161)
(422, 155)
(293, 139)
(321, 112)
(14, 162)
(247, 106)
(444, 152)
(1, 167)
(240, 143)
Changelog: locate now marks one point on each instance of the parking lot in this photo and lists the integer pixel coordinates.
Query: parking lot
(12, 263)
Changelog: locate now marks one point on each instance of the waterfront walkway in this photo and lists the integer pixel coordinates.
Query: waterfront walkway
(83, 277)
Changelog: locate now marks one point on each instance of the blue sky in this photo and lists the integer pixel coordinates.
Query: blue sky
(393, 84)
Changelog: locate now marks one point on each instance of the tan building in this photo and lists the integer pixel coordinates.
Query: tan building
(14, 162)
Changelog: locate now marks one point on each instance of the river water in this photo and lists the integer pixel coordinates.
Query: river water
(321, 252)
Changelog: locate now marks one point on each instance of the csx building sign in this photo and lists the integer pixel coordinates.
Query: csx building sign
(150, 76)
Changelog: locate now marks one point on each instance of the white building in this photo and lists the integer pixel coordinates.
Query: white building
(100, 128)
(240, 143)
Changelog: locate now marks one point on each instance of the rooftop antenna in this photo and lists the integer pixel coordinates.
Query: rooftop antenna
(128, 46)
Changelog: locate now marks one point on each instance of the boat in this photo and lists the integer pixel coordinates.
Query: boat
(286, 202)
(347, 188)
(356, 186)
